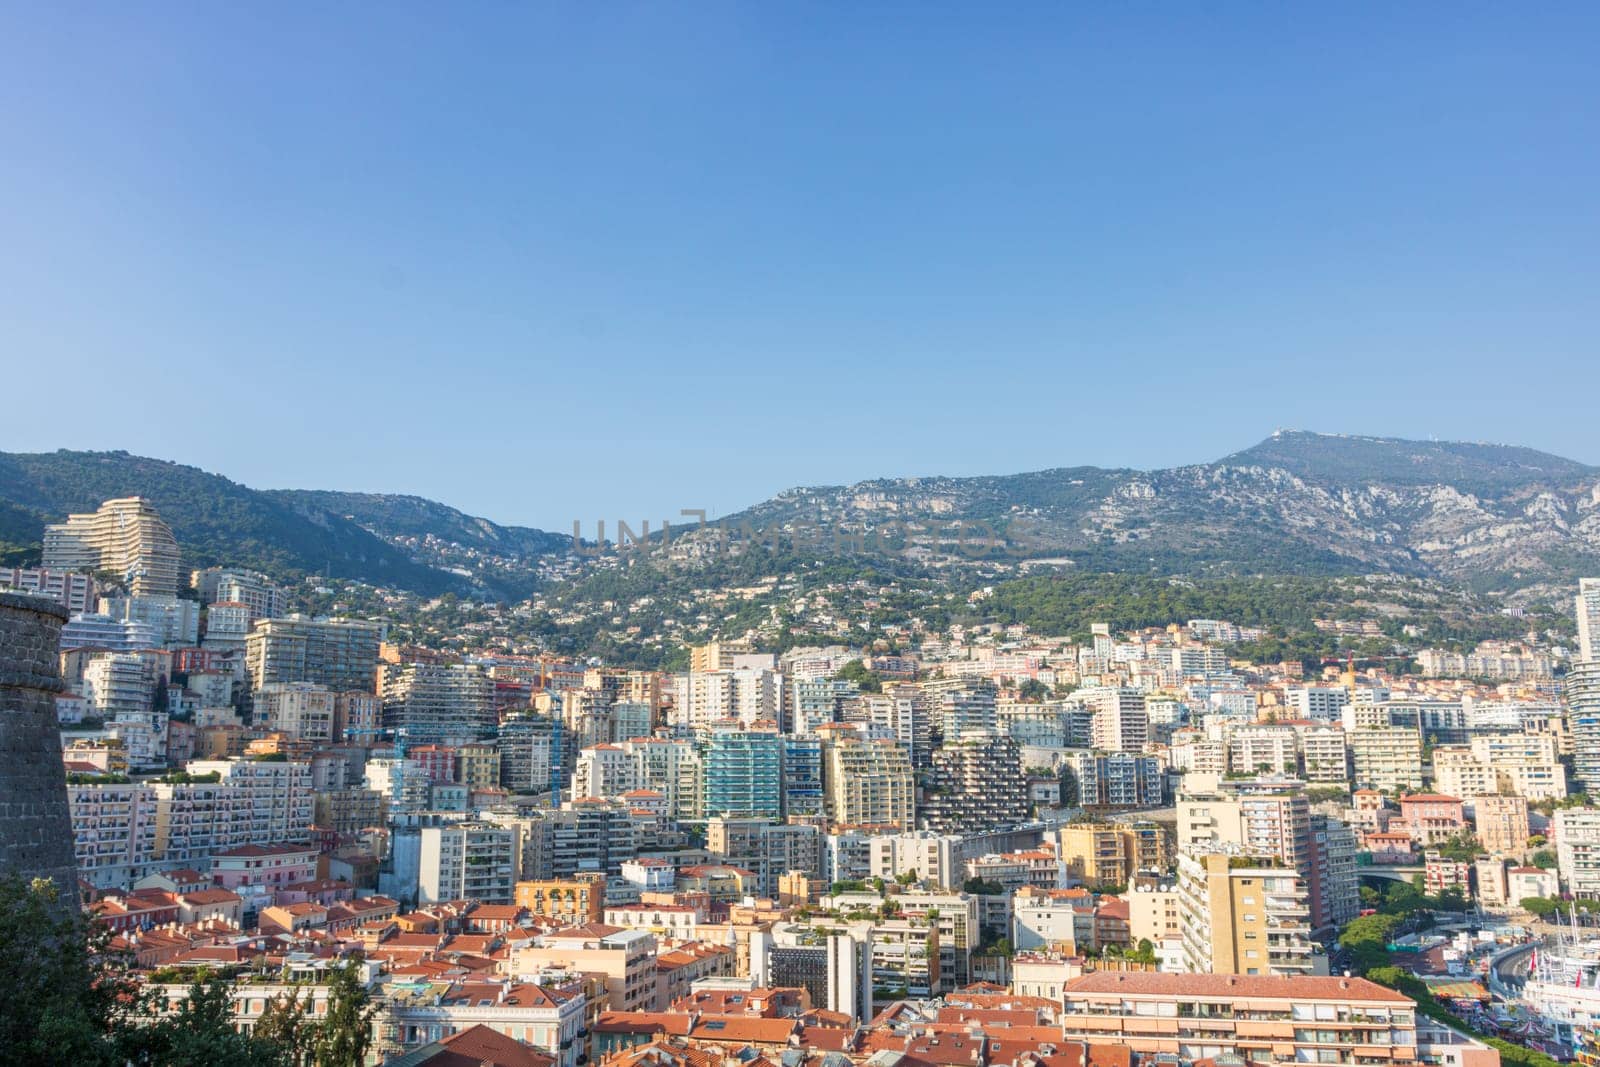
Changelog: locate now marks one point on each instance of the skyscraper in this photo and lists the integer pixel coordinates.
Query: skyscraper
(1588, 603)
(341, 654)
(126, 537)
(435, 703)
(1582, 692)
(976, 784)
(743, 774)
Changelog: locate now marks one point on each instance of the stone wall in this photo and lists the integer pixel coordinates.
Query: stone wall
(35, 822)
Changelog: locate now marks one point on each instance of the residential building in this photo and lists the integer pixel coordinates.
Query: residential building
(1588, 610)
(1581, 690)
(928, 857)
(1117, 781)
(625, 960)
(303, 711)
(124, 536)
(1258, 1019)
(276, 793)
(341, 654)
(868, 783)
(469, 861)
(1120, 722)
(743, 773)
(1576, 832)
(445, 704)
(976, 783)
(175, 621)
(1387, 758)
(73, 591)
(1098, 854)
(1500, 821)
(1243, 914)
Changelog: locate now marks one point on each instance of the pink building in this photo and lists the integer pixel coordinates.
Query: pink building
(1390, 847)
(1370, 815)
(264, 865)
(1432, 817)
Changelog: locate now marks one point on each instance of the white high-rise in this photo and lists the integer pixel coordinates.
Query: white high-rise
(1588, 604)
(125, 537)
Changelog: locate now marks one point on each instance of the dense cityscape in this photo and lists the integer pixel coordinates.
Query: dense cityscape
(750, 534)
(974, 843)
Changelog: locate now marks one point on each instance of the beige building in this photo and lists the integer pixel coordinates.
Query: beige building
(625, 958)
(1191, 1017)
(574, 900)
(1501, 822)
(1153, 914)
(1387, 758)
(1242, 914)
(478, 766)
(1103, 854)
(301, 710)
(868, 783)
(338, 653)
(126, 537)
(1525, 764)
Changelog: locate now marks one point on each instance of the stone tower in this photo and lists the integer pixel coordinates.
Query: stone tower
(35, 823)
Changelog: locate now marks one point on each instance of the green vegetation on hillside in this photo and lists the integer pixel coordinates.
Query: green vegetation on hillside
(216, 521)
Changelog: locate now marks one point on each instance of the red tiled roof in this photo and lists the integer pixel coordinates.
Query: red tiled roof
(480, 1046)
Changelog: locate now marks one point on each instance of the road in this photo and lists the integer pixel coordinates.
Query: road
(1510, 967)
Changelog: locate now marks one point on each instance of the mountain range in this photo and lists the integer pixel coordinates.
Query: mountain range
(1479, 516)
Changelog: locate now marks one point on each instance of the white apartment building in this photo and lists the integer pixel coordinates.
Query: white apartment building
(1387, 758)
(227, 626)
(469, 861)
(931, 856)
(301, 710)
(1323, 703)
(118, 686)
(277, 794)
(1577, 839)
(1525, 764)
(1324, 754)
(1263, 749)
(113, 635)
(124, 536)
(1120, 722)
(175, 621)
(1588, 609)
(604, 771)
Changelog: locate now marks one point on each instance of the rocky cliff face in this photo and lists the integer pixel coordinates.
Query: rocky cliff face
(1485, 516)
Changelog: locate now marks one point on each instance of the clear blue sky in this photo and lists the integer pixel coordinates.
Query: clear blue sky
(545, 261)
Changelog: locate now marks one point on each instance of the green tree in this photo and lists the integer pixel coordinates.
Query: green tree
(201, 1033)
(1033, 691)
(283, 1024)
(1367, 940)
(61, 987)
(856, 671)
(1543, 907)
(345, 1032)
(1545, 858)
